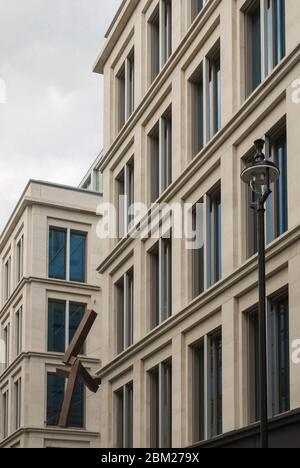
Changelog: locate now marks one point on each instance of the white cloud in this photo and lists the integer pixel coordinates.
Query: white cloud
(51, 124)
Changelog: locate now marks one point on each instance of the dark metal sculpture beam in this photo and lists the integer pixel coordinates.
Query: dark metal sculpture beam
(80, 336)
(75, 371)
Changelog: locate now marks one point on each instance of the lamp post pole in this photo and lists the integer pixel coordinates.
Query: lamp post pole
(264, 439)
(259, 175)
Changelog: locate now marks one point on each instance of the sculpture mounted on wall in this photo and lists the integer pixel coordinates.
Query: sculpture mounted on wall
(74, 370)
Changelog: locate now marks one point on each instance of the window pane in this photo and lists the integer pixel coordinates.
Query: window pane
(283, 352)
(56, 326)
(76, 313)
(166, 405)
(281, 189)
(55, 396)
(77, 407)
(255, 47)
(280, 367)
(77, 257)
(216, 422)
(57, 254)
(279, 30)
(166, 279)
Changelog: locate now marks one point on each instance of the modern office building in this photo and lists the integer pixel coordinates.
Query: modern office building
(49, 253)
(188, 86)
(93, 178)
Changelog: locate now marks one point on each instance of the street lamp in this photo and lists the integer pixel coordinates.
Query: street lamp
(259, 175)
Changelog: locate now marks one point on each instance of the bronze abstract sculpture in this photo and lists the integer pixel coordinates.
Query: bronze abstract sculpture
(74, 370)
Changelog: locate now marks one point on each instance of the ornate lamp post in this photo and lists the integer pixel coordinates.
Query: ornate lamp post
(259, 175)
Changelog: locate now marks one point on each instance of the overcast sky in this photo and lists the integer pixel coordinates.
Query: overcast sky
(51, 123)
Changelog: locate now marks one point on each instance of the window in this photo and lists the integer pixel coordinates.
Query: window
(5, 414)
(19, 331)
(215, 384)
(20, 259)
(277, 208)
(7, 278)
(205, 100)
(67, 255)
(77, 257)
(265, 37)
(197, 6)
(17, 388)
(125, 301)
(57, 253)
(207, 257)
(215, 236)
(125, 80)
(63, 321)
(277, 203)
(214, 92)
(254, 46)
(207, 374)
(125, 191)
(55, 396)
(161, 282)
(161, 36)
(197, 104)
(6, 339)
(124, 401)
(161, 155)
(161, 406)
(278, 362)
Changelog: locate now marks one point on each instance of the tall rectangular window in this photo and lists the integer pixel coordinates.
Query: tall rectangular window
(20, 259)
(125, 195)
(161, 406)
(7, 278)
(17, 389)
(57, 253)
(77, 256)
(215, 236)
(214, 93)
(161, 155)
(6, 339)
(125, 82)
(215, 394)
(160, 25)
(19, 331)
(124, 402)
(265, 37)
(207, 387)
(207, 254)
(197, 104)
(55, 396)
(63, 321)
(199, 400)
(277, 207)
(5, 414)
(67, 254)
(254, 46)
(161, 281)
(278, 359)
(280, 355)
(125, 304)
